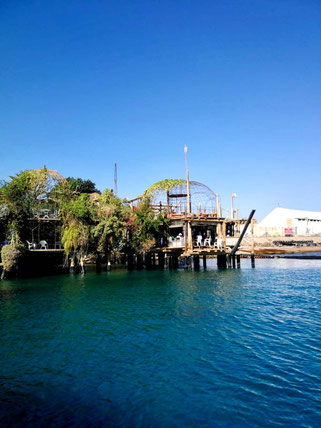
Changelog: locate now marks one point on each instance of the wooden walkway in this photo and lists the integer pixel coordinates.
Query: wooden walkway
(180, 251)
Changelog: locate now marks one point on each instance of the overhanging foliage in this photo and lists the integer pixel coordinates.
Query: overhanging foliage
(166, 185)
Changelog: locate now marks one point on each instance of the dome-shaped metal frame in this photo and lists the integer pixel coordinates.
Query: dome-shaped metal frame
(203, 199)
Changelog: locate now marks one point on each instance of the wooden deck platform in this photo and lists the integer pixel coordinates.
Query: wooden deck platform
(180, 251)
(49, 250)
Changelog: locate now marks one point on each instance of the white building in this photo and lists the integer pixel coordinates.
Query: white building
(287, 222)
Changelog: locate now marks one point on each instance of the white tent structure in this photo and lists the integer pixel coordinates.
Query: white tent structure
(287, 222)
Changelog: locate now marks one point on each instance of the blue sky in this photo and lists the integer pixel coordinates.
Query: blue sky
(85, 84)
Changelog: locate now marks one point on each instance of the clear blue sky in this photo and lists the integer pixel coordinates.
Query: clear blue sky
(85, 84)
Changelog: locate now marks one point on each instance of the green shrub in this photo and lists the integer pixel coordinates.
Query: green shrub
(10, 255)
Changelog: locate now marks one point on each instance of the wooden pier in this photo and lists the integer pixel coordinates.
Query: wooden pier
(195, 225)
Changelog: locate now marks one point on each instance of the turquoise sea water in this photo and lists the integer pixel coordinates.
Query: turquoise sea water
(164, 348)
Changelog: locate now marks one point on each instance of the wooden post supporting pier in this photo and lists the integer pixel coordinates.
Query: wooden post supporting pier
(228, 259)
(166, 261)
(161, 260)
(153, 260)
(204, 261)
(196, 262)
(189, 235)
(175, 261)
(221, 261)
(187, 262)
(233, 261)
(148, 261)
(130, 261)
(252, 260)
(139, 265)
(238, 261)
(252, 245)
(98, 264)
(224, 236)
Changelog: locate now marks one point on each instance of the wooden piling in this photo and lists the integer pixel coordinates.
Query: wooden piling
(253, 260)
(252, 245)
(186, 262)
(233, 261)
(166, 261)
(139, 264)
(148, 261)
(238, 261)
(153, 260)
(130, 261)
(196, 262)
(224, 235)
(219, 230)
(185, 237)
(161, 260)
(221, 261)
(98, 264)
(175, 261)
(204, 261)
(189, 236)
(228, 260)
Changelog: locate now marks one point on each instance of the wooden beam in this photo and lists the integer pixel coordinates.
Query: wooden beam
(178, 195)
(224, 235)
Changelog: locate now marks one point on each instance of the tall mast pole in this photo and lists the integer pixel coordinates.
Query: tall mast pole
(189, 210)
(187, 183)
(233, 195)
(115, 179)
(217, 206)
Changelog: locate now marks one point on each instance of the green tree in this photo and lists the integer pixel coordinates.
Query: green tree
(147, 227)
(22, 196)
(10, 255)
(19, 196)
(111, 220)
(82, 186)
(91, 222)
(77, 215)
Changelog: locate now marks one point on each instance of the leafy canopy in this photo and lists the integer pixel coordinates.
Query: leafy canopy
(82, 186)
(166, 185)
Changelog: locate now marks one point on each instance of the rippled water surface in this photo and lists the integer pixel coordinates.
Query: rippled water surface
(180, 348)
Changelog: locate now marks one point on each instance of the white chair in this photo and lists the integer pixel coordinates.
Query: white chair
(43, 245)
(207, 241)
(31, 245)
(199, 240)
